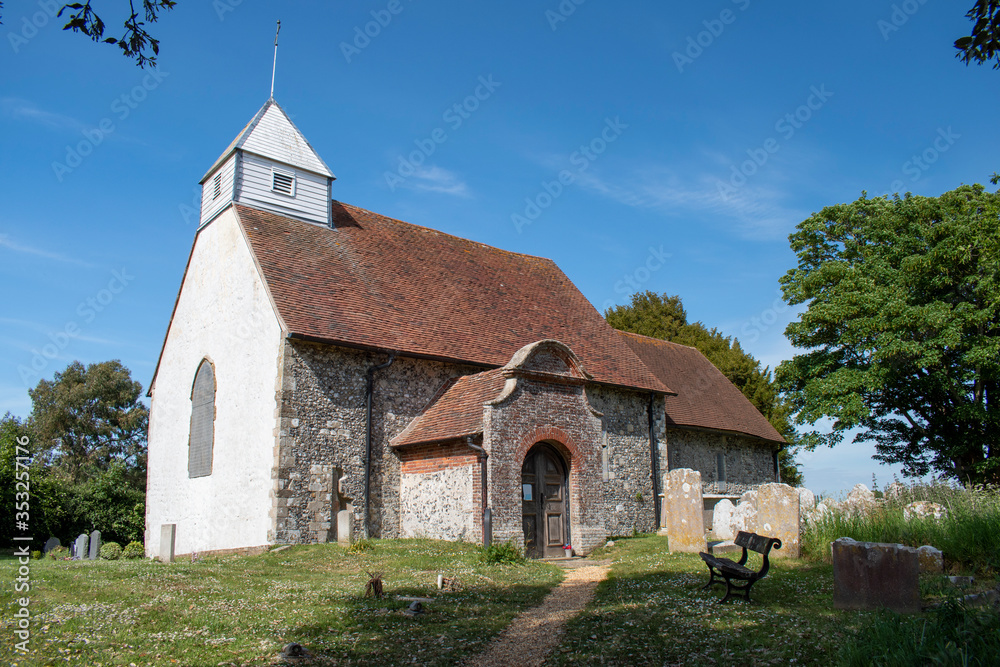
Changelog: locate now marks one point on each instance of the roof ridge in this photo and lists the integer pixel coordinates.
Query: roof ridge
(438, 231)
(657, 340)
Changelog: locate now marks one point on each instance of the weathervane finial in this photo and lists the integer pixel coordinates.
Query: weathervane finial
(274, 66)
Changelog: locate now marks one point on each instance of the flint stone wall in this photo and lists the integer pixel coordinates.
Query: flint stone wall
(321, 399)
(439, 505)
(319, 455)
(749, 461)
(627, 479)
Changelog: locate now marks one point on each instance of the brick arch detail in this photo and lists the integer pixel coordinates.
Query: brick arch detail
(549, 433)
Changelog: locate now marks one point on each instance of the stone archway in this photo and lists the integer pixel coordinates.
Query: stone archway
(545, 502)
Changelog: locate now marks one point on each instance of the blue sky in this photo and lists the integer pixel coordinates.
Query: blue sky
(693, 137)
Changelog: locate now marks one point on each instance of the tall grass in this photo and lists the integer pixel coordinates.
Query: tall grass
(952, 634)
(969, 535)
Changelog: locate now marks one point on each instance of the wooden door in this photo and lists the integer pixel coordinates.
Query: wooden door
(544, 506)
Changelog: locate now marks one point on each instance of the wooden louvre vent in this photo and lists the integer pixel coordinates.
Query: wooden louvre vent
(216, 186)
(283, 182)
(202, 436)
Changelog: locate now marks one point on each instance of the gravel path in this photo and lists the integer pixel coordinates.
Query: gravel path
(533, 634)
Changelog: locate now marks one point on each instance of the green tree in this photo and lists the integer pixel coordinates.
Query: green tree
(902, 329)
(984, 42)
(13, 432)
(664, 317)
(86, 419)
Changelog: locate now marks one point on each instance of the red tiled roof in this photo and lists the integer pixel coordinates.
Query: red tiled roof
(705, 397)
(457, 413)
(381, 283)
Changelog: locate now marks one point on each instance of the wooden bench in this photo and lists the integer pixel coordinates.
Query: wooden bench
(724, 568)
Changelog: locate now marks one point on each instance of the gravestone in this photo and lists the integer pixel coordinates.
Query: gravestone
(923, 509)
(683, 508)
(744, 517)
(51, 544)
(95, 544)
(778, 516)
(80, 547)
(722, 519)
(931, 559)
(869, 575)
(345, 527)
(168, 535)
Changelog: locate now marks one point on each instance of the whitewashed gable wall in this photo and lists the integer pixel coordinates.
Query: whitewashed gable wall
(223, 313)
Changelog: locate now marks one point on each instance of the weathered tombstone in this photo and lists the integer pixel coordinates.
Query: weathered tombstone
(80, 547)
(860, 500)
(778, 516)
(923, 509)
(722, 519)
(168, 535)
(51, 544)
(931, 559)
(869, 575)
(95, 545)
(683, 508)
(807, 499)
(345, 527)
(744, 517)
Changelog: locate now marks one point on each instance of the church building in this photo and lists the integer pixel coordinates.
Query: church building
(327, 368)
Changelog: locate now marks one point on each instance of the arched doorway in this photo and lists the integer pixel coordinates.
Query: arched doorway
(544, 502)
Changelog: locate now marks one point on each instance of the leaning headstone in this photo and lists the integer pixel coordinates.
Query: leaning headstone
(95, 545)
(778, 516)
(168, 535)
(869, 575)
(80, 547)
(684, 510)
(722, 519)
(345, 527)
(51, 544)
(931, 560)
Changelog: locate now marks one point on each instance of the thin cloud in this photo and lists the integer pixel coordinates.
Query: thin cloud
(21, 109)
(436, 179)
(5, 242)
(758, 211)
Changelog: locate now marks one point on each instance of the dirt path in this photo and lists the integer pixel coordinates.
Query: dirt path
(533, 634)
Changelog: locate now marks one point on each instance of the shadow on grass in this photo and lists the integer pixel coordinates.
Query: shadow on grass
(454, 626)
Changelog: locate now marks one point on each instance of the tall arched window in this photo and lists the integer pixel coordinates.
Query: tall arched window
(202, 436)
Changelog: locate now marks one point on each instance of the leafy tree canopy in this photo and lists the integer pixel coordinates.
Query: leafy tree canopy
(984, 42)
(902, 329)
(85, 419)
(664, 317)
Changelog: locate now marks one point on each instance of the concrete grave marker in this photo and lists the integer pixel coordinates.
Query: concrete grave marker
(95, 545)
(345, 527)
(722, 519)
(778, 516)
(168, 536)
(51, 544)
(869, 575)
(683, 508)
(80, 547)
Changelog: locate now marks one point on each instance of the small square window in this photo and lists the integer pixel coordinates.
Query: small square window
(283, 182)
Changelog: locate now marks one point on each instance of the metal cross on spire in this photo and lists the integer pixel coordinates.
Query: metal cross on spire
(274, 66)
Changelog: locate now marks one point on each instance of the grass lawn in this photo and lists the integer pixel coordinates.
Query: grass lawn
(242, 610)
(651, 611)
